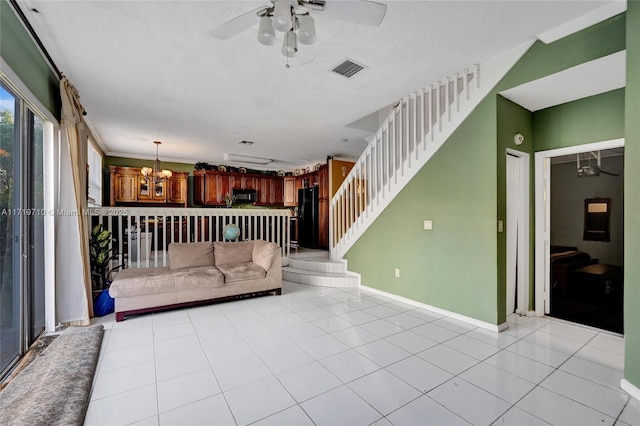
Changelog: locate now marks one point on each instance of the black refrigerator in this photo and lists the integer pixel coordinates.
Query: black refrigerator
(308, 217)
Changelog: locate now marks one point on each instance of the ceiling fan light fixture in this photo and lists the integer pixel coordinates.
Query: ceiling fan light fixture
(290, 44)
(282, 16)
(307, 31)
(266, 33)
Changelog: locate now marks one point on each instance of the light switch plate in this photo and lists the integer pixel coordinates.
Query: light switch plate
(428, 225)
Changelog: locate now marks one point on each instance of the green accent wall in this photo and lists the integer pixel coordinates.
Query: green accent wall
(512, 119)
(459, 265)
(452, 266)
(632, 199)
(136, 162)
(587, 120)
(23, 56)
(593, 119)
(541, 59)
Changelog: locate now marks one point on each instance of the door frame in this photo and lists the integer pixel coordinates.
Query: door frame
(523, 238)
(543, 215)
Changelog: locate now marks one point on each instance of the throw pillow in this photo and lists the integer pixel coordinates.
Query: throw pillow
(189, 255)
(238, 252)
(264, 253)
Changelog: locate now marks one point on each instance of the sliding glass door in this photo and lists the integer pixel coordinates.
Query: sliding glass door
(10, 306)
(35, 228)
(22, 305)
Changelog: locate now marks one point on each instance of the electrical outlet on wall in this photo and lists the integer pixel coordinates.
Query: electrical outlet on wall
(428, 225)
(397, 272)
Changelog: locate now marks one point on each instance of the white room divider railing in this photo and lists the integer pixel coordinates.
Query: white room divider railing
(143, 234)
(418, 125)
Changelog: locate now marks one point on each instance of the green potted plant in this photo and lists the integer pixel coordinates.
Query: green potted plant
(229, 200)
(101, 255)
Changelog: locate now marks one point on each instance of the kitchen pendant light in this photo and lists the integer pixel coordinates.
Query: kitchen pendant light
(157, 174)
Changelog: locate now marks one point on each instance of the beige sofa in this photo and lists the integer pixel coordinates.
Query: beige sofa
(199, 273)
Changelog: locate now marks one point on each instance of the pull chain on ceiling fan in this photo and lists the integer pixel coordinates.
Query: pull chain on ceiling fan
(293, 18)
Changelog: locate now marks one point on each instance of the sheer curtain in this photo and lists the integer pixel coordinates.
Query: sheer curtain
(73, 274)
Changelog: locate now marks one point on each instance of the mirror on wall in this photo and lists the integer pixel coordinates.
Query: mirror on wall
(597, 213)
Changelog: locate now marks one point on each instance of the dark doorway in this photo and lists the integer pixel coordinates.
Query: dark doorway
(587, 272)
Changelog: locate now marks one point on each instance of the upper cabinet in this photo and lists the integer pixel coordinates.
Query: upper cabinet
(290, 192)
(123, 185)
(128, 187)
(210, 187)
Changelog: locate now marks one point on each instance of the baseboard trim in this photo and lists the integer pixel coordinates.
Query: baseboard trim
(631, 389)
(469, 320)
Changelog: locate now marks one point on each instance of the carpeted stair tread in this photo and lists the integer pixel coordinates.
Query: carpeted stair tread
(54, 389)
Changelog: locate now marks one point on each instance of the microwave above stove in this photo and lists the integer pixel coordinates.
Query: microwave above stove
(245, 195)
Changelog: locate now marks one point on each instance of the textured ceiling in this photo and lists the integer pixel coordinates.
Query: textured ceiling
(151, 70)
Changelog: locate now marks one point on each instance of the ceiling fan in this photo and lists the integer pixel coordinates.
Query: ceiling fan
(293, 19)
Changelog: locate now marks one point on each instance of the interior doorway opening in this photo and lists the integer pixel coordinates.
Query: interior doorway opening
(579, 234)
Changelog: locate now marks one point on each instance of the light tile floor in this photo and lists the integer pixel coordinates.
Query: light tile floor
(328, 356)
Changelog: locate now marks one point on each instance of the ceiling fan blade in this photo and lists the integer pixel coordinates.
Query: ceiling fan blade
(306, 54)
(356, 11)
(238, 24)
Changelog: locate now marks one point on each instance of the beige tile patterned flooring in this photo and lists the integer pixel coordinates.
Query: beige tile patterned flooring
(329, 356)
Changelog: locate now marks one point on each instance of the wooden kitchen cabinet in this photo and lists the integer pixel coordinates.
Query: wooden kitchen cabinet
(277, 188)
(248, 182)
(177, 188)
(323, 206)
(264, 191)
(323, 182)
(290, 192)
(210, 187)
(270, 191)
(150, 192)
(129, 187)
(123, 185)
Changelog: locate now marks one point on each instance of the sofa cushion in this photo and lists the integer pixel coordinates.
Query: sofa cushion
(137, 282)
(264, 253)
(227, 252)
(189, 255)
(242, 271)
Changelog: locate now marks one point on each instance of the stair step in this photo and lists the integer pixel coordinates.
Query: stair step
(319, 265)
(321, 279)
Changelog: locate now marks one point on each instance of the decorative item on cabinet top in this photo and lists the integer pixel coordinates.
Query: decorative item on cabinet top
(202, 165)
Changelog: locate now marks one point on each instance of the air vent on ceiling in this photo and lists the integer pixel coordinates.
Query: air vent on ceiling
(348, 68)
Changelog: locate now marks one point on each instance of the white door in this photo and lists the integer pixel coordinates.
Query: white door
(512, 232)
(517, 228)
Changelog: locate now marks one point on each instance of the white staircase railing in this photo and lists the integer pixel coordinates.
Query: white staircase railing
(409, 136)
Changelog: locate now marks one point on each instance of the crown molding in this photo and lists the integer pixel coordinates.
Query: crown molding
(605, 12)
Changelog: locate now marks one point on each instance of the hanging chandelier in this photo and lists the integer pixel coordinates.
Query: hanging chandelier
(297, 28)
(157, 174)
